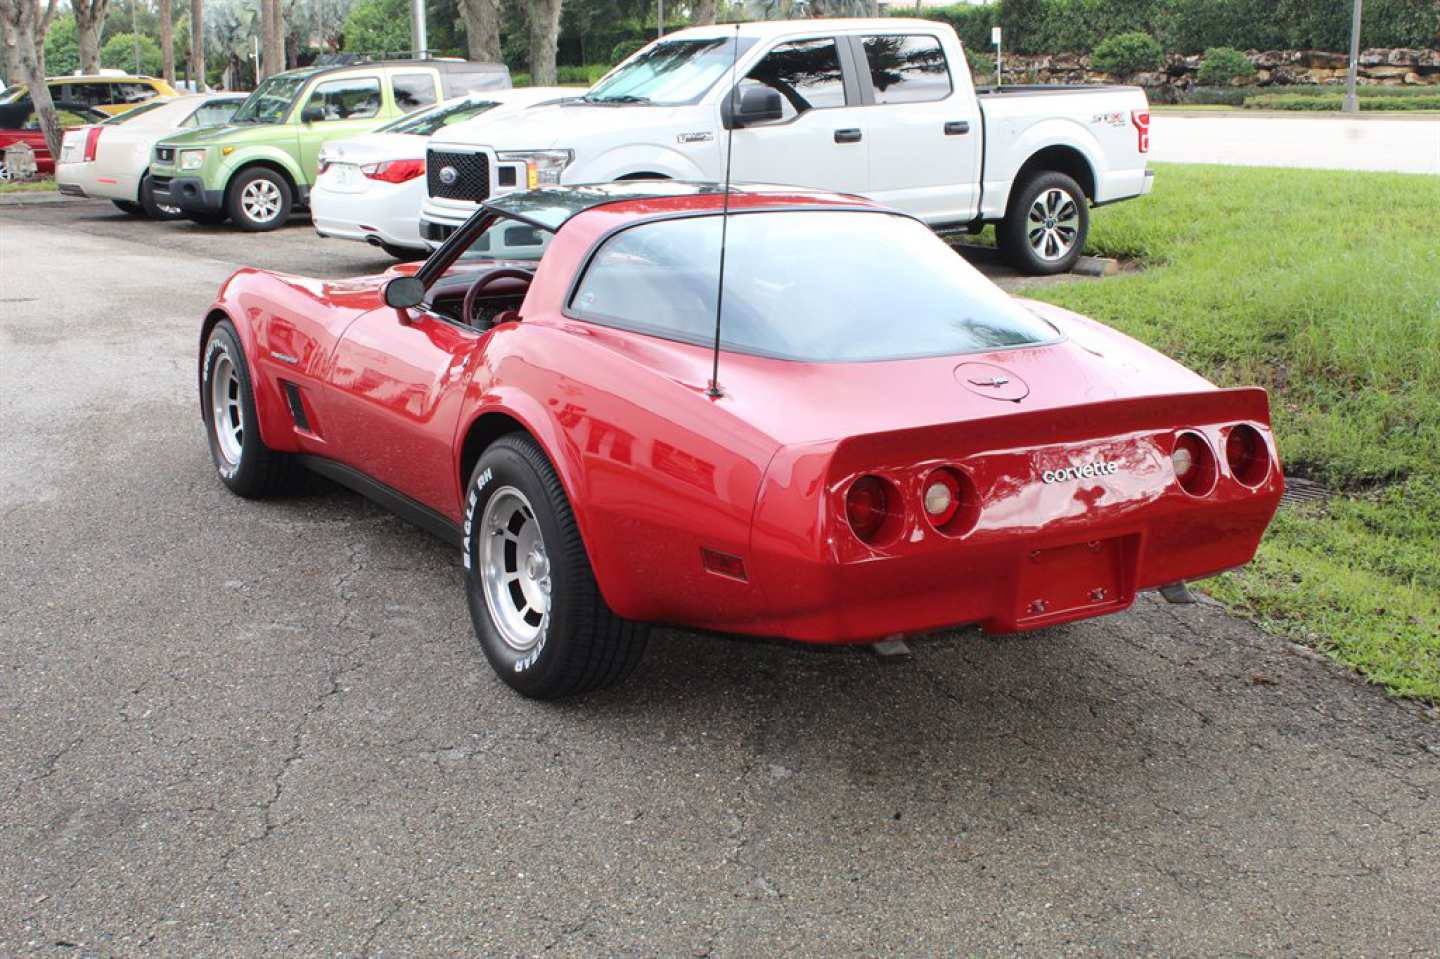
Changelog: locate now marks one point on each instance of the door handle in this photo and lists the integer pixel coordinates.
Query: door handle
(848, 135)
(955, 128)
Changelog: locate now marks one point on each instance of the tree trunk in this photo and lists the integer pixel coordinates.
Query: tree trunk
(544, 38)
(89, 21)
(167, 42)
(482, 29)
(26, 25)
(272, 38)
(197, 44)
(12, 51)
(702, 12)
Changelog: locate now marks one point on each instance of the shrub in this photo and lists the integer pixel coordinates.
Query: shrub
(625, 48)
(1334, 101)
(1224, 66)
(982, 67)
(1127, 54)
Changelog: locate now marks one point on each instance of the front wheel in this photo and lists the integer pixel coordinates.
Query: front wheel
(537, 609)
(259, 200)
(227, 402)
(1045, 228)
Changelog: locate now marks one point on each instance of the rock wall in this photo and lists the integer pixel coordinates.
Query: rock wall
(1397, 67)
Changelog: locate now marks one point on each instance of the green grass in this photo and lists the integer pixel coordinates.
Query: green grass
(1323, 287)
(26, 186)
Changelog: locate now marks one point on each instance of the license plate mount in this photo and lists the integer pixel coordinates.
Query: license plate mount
(1064, 582)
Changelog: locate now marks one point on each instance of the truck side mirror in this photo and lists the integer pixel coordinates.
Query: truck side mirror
(312, 114)
(754, 104)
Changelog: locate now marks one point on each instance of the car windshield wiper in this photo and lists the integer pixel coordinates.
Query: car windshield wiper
(624, 98)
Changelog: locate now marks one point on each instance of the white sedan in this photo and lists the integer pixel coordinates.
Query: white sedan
(110, 159)
(371, 187)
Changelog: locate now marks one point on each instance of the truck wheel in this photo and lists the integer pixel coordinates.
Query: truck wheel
(227, 403)
(1045, 228)
(537, 610)
(153, 208)
(128, 208)
(259, 200)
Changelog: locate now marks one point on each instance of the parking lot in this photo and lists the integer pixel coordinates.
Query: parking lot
(266, 728)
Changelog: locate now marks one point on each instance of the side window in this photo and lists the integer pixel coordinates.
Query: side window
(413, 91)
(349, 99)
(74, 93)
(212, 114)
(132, 92)
(806, 74)
(907, 69)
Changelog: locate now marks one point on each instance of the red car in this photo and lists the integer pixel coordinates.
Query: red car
(893, 444)
(19, 124)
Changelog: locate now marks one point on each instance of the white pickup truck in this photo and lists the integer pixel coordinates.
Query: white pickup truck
(882, 107)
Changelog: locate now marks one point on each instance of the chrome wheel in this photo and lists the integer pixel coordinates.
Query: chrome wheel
(227, 410)
(260, 199)
(514, 569)
(1053, 224)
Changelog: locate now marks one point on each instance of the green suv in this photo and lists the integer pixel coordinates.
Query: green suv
(259, 167)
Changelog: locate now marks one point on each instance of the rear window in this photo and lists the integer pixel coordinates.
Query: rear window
(816, 286)
(213, 114)
(426, 123)
(907, 69)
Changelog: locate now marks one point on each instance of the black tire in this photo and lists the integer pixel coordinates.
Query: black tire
(204, 219)
(581, 644)
(257, 471)
(403, 253)
(128, 207)
(272, 184)
(1018, 235)
(152, 207)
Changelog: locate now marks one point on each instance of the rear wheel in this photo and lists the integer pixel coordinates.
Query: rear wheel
(259, 200)
(1045, 228)
(537, 609)
(154, 209)
(127, 207)
(227, 402)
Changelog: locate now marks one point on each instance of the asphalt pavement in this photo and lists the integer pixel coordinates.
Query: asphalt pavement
(244, 729)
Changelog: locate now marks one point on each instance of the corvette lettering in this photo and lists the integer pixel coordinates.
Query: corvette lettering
(1088, 471)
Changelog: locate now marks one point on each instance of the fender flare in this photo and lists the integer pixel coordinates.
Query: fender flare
(269, 405)
(1047, 134)
(270, 156)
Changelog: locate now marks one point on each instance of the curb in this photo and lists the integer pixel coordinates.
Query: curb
(35, 197)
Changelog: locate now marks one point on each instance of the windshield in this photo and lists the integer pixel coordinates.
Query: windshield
(427, 122)
(270, 101)
(824, 286)
(508, 239)
(670, 72)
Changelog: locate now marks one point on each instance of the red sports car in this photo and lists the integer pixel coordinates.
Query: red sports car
(892, 445)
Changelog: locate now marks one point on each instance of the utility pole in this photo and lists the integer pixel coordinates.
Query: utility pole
(417, 28)
(659, 19)
(135, 33)
(1352, 104)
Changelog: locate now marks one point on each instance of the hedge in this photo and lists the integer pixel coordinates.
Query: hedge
(1188, 26)
(1334, 101)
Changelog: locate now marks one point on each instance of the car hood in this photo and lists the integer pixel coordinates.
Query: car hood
(231, 133)
(561, 125)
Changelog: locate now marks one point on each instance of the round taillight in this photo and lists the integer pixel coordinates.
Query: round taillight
(949, 501)
(1194, 464)
(872, 506)
(1247, 455)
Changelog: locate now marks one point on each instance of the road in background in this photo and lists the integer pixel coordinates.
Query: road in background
(1324, 142)
(265, 728)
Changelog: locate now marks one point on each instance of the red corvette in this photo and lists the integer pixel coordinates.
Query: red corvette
(893, 445)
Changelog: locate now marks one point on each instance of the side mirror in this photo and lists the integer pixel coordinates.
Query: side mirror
(312, 114)
(404, 293)
(755, 105)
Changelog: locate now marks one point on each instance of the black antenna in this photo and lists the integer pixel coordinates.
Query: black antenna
(714, 388)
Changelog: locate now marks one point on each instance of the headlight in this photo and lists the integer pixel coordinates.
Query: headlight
(542, 167)
(192, 159)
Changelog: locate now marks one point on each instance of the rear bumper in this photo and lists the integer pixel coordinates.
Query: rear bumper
(188, 193)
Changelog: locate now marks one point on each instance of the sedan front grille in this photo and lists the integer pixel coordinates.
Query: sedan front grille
(458, 176)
